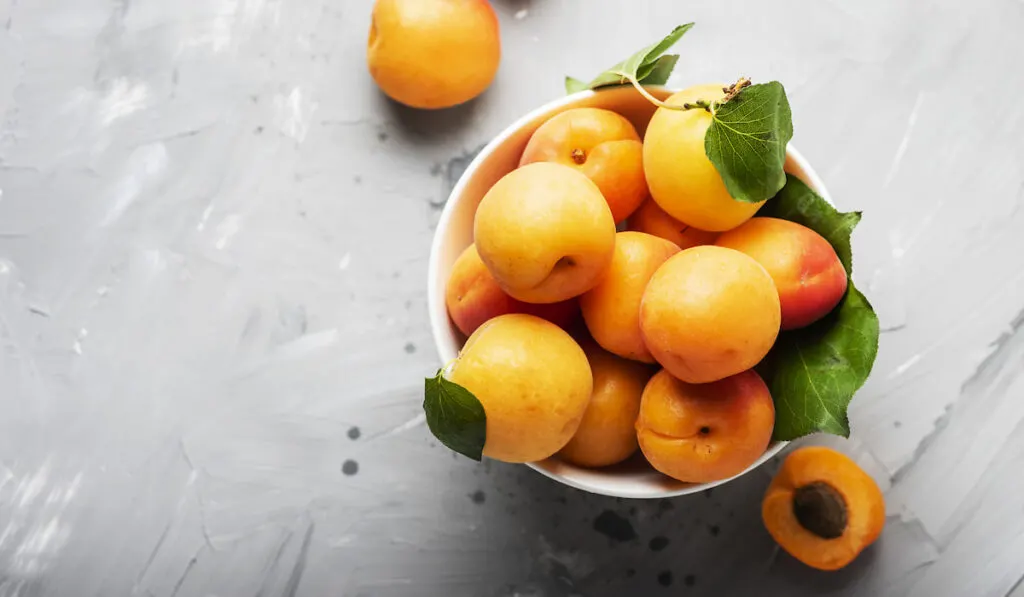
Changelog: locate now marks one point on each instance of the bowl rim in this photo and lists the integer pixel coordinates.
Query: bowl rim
(439, 321)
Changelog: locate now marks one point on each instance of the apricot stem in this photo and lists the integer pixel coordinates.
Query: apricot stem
(579, 156)
(820, 509)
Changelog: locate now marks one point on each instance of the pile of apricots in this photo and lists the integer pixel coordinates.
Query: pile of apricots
(617, 297)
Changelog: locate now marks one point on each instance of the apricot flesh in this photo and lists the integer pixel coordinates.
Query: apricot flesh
(611, 309)
(473, 297)
(533, 381)
(709, 312)
(682, 179)
(545, 233)
(699, 433)
(607, 433)
(651, 219)
(805, 268)
(433, 53)
(602, 145)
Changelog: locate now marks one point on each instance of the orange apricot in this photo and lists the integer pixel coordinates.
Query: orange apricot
(433, 53)
(545, 233)
(611, 309)
(699, 433)
(709, 312)
(822, 508)
(474, 297)
(805, 268)
(599, 143)
(651, 219)
(607, 433)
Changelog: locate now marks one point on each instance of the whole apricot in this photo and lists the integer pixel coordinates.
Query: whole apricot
(651, 219)
(602, 145)
(607, 433)
(699, 433)
(473, 297)
(708, 313)
(545, 233)
(433, 53)
(805, 268)
(533, 381)
(681, 178)
(611, 309)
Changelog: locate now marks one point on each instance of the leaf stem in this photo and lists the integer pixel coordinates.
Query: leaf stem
(699, 104)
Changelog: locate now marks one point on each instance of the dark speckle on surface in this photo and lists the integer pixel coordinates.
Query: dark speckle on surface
(897, 424)
(478, 496)
(350, 467)
(614, 527)
(689, 580)
(410, 347)
(357, 179)
(665, 505)
(632, 511)
(258, 130)
(707, 494)
(714, 530)
(435, 170)
(665, 578)
(658, 543)
(382, 136)
(354, 433)
(630, 572)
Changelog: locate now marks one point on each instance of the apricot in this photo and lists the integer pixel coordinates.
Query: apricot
(545, 233)
(607, 433)
(651, 219)
(433, 53)
(611, 309)
(805, 268)
(473, 297)
(699, 433)
(708, 313)
(822, 508)
(533, 381)
(681, 178)
(602, 145)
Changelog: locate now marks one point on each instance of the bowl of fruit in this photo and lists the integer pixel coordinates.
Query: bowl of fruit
(644, 293)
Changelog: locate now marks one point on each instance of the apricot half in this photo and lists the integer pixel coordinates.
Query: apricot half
(708, 313)
(805, 268)
(602, 145)
(822, 508)
(701, 433)
(612, 308)
(533, 381)
(545, 233)
(433, 53)
(681, 178)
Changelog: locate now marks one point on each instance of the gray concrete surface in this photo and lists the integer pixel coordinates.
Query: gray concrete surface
(213, 244)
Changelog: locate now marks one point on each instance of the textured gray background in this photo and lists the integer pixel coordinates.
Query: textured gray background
(213, 245)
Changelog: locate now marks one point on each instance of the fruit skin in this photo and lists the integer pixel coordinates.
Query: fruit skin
(708, 313)
(533, 381)
(651, 219)
(602, 145)
(545, 233)
(611, 309)
(681, 178)
(607, 434)
(864, 506)
(433, 53)
(805, 268)
(699, 433)
(473, 297)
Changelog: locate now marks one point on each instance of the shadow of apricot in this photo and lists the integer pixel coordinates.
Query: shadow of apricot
(429, 127)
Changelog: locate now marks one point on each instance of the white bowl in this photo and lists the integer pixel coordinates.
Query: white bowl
(634, 478)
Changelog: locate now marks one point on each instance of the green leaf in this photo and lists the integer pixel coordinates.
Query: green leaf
(815, 371)
(455, 416)
(574, 85)
(646, 66)
(747, 141)
(796, 202)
